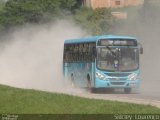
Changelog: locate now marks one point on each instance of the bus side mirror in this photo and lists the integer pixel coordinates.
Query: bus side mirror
(141, 50)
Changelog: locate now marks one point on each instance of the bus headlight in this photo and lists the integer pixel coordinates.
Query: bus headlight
(100, 76)
(133, 76)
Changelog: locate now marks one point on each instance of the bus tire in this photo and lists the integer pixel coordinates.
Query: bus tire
(127, 90)
(72, 81)
(89, 83)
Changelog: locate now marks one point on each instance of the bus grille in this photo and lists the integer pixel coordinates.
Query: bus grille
(118, 74)
(117, 83)
(114, 79)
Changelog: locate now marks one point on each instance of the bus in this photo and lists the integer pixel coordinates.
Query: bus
(106, 61)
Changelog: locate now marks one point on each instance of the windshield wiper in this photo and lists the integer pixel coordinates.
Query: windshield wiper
(116, 57)
(111, 51)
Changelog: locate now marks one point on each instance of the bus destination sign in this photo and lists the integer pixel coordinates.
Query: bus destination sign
(117, 42)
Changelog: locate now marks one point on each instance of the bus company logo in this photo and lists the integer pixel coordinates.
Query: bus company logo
(9, 117)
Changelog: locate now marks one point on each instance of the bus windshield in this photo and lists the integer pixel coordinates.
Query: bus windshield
(117, 59)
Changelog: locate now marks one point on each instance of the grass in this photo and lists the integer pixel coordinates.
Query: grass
(21, 101)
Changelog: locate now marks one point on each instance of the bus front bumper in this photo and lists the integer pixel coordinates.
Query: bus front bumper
(117, 83)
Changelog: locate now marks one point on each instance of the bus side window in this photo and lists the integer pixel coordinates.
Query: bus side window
(76, 48)
(64, 53)
(90, 52)
(80, 52)
(71, 52)
(84, 52)
(76, 53)
(67, 53)
(84, 47)
(80, 47)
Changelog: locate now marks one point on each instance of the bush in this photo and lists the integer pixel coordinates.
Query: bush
(18, 12)
(98, 21)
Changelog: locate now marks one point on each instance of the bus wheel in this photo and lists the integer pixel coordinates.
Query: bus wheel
(72, 81)
(88, 83)
(127, 90)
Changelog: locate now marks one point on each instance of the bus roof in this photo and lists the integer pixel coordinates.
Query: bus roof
(95, 38)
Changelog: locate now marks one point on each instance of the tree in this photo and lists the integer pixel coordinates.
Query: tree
(98, 21)
(18, 12)
(68, 4)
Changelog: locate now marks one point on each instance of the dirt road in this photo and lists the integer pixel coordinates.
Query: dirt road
(118, 95)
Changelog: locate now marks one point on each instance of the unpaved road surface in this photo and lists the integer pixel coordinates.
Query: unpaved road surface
(148, 98)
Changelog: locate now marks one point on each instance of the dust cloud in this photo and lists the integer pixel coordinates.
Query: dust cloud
(150, 60)
(32, 57)
(146, 27)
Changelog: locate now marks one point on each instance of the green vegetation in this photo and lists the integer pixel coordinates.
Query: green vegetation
(19, 12)
(98, 21)
(1, 5)
(17, 101)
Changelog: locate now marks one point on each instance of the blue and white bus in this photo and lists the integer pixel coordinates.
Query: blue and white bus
(106, 61)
